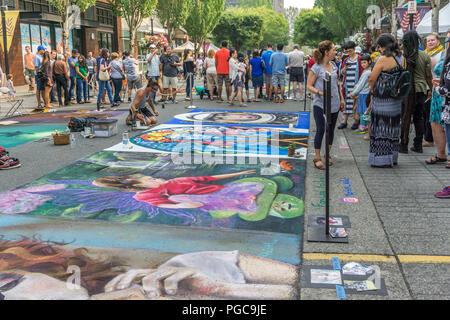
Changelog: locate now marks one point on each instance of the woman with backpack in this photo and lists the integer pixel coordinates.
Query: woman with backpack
(386, 104)
(104, 76)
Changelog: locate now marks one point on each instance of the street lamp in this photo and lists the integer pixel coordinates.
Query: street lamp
(4, 7)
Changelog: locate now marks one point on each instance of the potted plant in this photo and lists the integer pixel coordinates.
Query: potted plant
(291, 149)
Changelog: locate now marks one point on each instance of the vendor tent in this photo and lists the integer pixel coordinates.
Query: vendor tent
(424, 26)
(184, 46)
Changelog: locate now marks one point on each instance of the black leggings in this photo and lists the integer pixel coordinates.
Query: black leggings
(319, 117)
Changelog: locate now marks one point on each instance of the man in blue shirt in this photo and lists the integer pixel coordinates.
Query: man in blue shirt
(268, 71)
(40, 86)
(73, 74)
(279, 61)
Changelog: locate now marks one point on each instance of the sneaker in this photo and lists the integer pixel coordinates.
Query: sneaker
(359, 131)
(355, 126)
(444, 194)
(11, 163)
(342, 126)
(276, 100)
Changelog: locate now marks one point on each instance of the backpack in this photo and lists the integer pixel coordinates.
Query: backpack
(263, 65)
(77, 124)
(393, 85)
(403, 84)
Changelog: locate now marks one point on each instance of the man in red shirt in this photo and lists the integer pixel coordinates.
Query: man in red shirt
(223, 71)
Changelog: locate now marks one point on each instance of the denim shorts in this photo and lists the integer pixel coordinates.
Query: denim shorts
(257, 81)
(40, 85)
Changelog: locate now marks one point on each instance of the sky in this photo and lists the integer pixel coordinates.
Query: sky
(299, 3)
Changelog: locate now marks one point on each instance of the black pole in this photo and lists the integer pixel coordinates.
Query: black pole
(5, 38)
(306, 96)
(327, 113)
(411, 22)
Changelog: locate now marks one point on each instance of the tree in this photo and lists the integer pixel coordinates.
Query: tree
(435, 6)
(275, 28)
(242, 27)
(203, 17)
(309, 27)
(66, 12)
(134, 12)
(172, 14)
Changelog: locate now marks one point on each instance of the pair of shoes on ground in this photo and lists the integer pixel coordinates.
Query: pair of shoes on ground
(344, 125)
(278, 100)
(6, 162)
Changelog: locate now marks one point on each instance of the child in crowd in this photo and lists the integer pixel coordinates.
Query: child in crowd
(11, 89)
(6, 162)
(361, 92)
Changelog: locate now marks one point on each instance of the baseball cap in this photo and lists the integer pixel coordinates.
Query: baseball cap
(41, 48)
(358, 49)
(152, 46)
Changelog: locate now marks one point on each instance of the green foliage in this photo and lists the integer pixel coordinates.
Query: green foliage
(346, 17)
(309, 28)
(275, 27)
(134, 12)
(203, 17)
(173, 14)
(242, 27)
(249, 28)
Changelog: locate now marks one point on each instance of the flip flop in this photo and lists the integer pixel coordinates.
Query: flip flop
(435, 159)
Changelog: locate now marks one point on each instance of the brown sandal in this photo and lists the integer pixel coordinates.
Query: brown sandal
(318, 167)
(330, 161)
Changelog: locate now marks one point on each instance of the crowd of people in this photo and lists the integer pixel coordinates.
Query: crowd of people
(385, 90)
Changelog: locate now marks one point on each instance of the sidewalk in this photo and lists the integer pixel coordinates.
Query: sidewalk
(397, 224)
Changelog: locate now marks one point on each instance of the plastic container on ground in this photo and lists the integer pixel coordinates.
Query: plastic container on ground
(104, 128)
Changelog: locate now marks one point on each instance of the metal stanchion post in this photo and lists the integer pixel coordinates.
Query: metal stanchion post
(317, 234)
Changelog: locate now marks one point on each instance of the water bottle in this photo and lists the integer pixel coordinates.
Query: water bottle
(125, 140)
(72, 140)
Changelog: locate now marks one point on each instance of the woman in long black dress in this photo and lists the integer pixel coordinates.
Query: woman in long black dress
(386, 111)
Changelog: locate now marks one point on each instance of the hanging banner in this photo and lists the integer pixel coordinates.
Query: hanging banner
(403, 17)
(10, 21)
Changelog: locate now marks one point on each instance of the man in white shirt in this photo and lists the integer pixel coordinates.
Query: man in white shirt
(296, 72)
(153, 67)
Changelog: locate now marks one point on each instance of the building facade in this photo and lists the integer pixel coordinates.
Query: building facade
(39, 24)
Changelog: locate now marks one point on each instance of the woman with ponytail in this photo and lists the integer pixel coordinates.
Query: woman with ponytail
(386, 111)
(324, 56)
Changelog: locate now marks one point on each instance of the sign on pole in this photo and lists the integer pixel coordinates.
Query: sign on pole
(412, 7)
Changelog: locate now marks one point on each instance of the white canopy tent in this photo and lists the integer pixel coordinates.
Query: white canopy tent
(424, 26)
(184, 46)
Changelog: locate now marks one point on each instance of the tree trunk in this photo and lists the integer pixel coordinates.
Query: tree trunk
(435, 5)
(394, 19)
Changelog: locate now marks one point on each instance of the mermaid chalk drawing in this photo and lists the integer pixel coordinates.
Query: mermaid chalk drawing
(251, 198)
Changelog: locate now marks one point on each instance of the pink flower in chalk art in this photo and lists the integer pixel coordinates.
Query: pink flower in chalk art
(350, 200)
(24, 200)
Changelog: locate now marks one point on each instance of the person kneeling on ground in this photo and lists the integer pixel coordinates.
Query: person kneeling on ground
(6, 162)
(139, 108)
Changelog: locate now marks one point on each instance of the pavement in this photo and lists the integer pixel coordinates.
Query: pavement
(397, 224)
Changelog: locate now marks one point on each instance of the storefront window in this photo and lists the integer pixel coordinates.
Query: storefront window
(105, 41)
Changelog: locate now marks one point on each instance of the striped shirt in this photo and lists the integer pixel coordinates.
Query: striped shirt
(350, 82)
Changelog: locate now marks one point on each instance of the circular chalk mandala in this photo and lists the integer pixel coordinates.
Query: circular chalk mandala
(217, 139)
